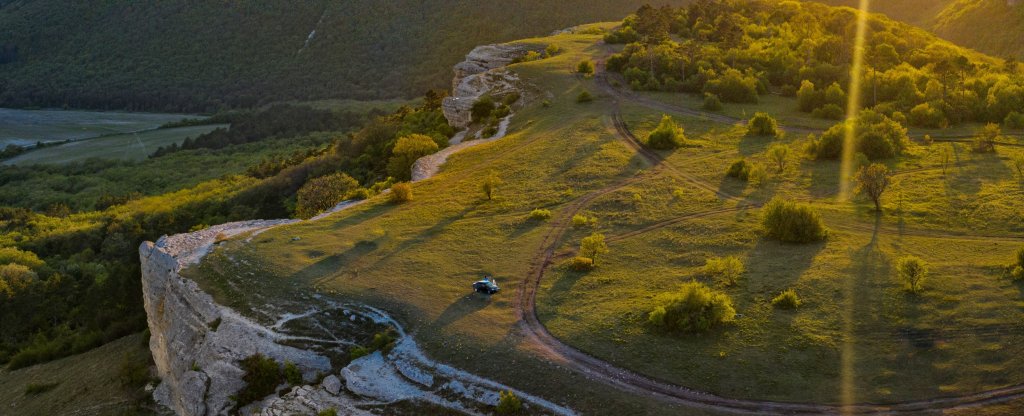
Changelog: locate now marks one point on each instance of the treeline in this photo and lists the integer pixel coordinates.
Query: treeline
(737, 51)
(186, 56)
(280, 120)
(69, 281)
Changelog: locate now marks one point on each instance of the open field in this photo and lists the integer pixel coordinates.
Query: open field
(858, 338)
(24, 127)
(128, 146)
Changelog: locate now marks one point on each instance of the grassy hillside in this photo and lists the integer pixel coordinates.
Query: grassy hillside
(181, 55)
(859, 335)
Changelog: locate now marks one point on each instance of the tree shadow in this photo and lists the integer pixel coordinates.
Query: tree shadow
(824, 177)
(772, 267)
(334, 263)
(752, 145)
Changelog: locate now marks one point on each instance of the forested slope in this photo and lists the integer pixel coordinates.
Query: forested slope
(179, 55)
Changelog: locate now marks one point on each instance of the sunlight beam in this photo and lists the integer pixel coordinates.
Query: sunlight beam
(853, 102)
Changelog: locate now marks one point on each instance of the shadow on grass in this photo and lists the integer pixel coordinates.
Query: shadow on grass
(824, 177)
(334, 263)
(751, 145)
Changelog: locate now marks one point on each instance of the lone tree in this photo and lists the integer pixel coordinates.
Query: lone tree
(986, 138)
(872, 181)
(508, 403)
(912, 271)
(406, 151)
(790, 222)
(593, 246)
(668, 135)
(490, 184)
(695, 308)
(779, 153)
(762, 124)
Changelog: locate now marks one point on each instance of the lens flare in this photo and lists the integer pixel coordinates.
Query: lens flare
(853, 102)
(847, 353)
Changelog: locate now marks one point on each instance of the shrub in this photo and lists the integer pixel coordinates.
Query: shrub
(401, 192)
(552, 50)
(328, 412)
(739, 169)
(540, 214)
(581, 264)
(262, 376)
(510, 98)
(667, 135)
(791, 222)
(1018, 164)
(482, 108)
(585, 67)
(912, 271)
(829, 111)
(695, 308)
(1017, 274)
(508, 403)
(928, 116)
(712, 102)
(986, 138)
(762, 124)
(292, 374)
(584, 97)
(728, 269)
(875, 135)
(580, 220)
(757, 175)
(323, 193)
(1014, 120)
(39, 388)
(788, 299)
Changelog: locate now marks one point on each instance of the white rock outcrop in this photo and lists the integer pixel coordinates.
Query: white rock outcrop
(196, 343)
(482, 72)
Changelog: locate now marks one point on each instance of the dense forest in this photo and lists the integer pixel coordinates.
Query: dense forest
(184, 56)
(737, 51)
(68, 234)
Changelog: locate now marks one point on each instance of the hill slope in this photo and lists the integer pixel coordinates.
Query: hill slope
(179, 55)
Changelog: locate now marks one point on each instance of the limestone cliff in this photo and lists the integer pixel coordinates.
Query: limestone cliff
(482, 72)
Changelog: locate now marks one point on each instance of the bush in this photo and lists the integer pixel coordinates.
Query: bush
(39, 388)
(913, 272)
(490, 184)
(728, 269)
(584, 97)
(667, 135)
(1017, 274)
(734, 87)
(323, 193)
(482, 108)
(401, 192)
(779, 154)
(739, 169)
(712, 102)
(508, 403)
(787, 300)
(1014, 120)
(262, 376)
(695, 308)
(328, 412)
(585, 67)
(292, 374)
(580, 220)
(829, 111)
(791, 222)
(762, 125)
(928, 116)
(581, 264)
(540, 214)
(875, 135)
(757, 175)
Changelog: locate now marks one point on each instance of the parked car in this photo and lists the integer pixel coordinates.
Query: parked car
(486, 286)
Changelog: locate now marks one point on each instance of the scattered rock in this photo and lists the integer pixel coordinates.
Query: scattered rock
(332, 384)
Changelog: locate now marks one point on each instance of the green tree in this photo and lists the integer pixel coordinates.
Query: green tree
(913, 272)
(508, 403)
(490, 184)
(779, 154)
(405, 153)
(585, 67)
(323, 193)
(986, 138)
(593, 246)
(790, 222)
(872, 181)
(401, 192)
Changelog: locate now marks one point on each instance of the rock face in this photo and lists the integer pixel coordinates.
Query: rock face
(483, 72)
(196, 343)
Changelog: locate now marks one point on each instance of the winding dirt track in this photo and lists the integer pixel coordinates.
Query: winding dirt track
(627, 380)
